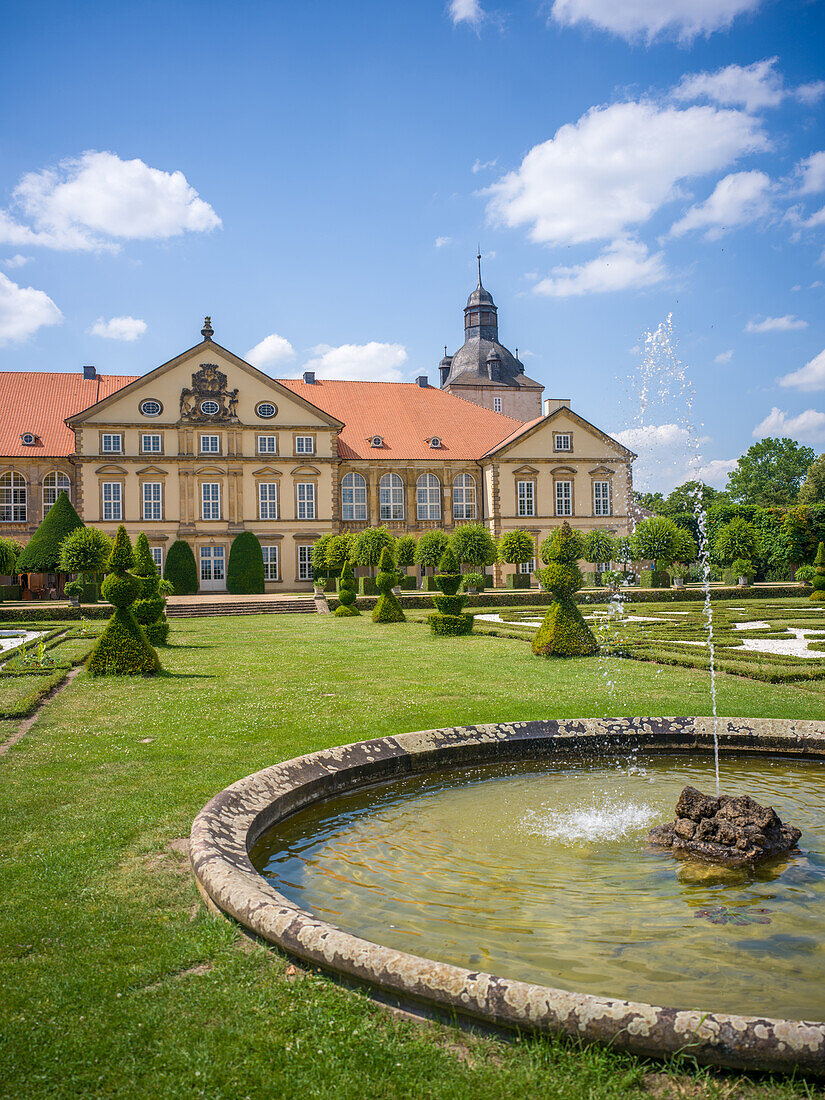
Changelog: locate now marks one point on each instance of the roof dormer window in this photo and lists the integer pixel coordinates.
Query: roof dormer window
(435, 442)
(28, 439)
(377, 441)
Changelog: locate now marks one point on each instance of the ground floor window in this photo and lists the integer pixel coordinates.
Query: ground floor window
(527, 566)
(271, 571)
(157, 557)
(212, 563)
(304, 563)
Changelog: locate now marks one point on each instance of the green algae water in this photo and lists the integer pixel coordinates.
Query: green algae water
(542, 873)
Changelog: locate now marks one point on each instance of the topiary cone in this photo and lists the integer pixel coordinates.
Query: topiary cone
(150, 605)
(449, 619)
(346, 594)
(387, 609)
(818, 583)
(123, 648)
(564, 633)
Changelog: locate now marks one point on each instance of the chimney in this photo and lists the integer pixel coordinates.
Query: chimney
(422, 381)
(89, 372)
(553, 403)
(309, 377)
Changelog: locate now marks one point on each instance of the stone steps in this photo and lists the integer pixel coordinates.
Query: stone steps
(298, 606)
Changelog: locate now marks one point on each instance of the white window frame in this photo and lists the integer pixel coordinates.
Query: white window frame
(54, 484)
(111, 443)
(157, 557)
(114, 512)
(353, 498)
(207, 448)
(563, 494)
(152, 500)
(305, 499)
(304, 562)
(267, 500)
(14, 498)
(212, 556)
(304, 445)
(563, 441)
(210, 501)
(272, 562)
(428, 497)
(527, 566)
(464, 497)
(526, 498)
(267, 444)
(151, 449)
(497, 404)
(391, 497)
(602, 498)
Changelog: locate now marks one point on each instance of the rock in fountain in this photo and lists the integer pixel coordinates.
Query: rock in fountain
(736, 832)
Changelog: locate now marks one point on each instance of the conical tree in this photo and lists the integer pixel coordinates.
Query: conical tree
(122, 649)
(818, 582)
(346, 594)
(387, 609)
(42, 553)
(564, 633)
(449, 617)
(150, 605)
(245, 571)
(181, 569)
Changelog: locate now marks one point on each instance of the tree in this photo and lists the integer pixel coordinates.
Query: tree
(685, 497)
(735, 540)
(623, 552)
(449, 618)
(346, 593)
(150, 605)
(405, 551)
(473, 544)
(85, 552)
(369, 546)
(564, 633)
(818, 582)
(813, 487)
(320, 563)
(573, 544)
(387, 609)
(431, 546)
(181, 569)
(123, 648)
(598, 547)
(516, 547)
(10, 551)
(651, 502)
(770, 473)
(654, 540)
(42, 553)
(338, 551)
(685, 550)
(245, 569)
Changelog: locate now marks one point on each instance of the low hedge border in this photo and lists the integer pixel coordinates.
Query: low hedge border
(54, 614)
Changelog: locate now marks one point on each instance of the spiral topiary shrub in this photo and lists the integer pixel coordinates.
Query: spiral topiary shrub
(181, 569)
(150, 605)
(346, 594)
(123, 648)
(245, 569)
(387, 609)
(564, 633)
(448, 619)
(818, 582)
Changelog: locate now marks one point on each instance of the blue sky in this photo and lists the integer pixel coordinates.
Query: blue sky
(316, 176)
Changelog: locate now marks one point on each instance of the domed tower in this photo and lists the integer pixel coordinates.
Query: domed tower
(483, 370)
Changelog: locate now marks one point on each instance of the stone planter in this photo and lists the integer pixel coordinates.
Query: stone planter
(744, 582)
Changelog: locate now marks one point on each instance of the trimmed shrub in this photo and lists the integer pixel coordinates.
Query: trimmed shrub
(245, 570)
(449, 619)
(11, 592)
(518, 580)
(654, 578)
(818, 582)
(388, 609)
(451, 625)
(150, 605)
(598, 546)
(805, 574)
(346, 594)
(123, 648)
(473, 544)
(181, 568)
(367, 586)
(42, 553)
(409, 584)
(516, 547)
(564, 633)
(405, 551)
(573, 541)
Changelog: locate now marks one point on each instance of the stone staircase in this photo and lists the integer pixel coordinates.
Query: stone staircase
(299, 605)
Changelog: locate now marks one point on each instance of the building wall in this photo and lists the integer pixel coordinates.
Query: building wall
(523, 403)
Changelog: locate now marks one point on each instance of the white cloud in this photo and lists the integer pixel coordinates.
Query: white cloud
(92, 201)
(809, 378)
(724, 357)
(808, 426)
(664, 452)
(624, 265)
(273, 349)
(737, 199)
(615, 166)
(647, 19)
(810, 93)
(812, 171)
(816, 219)
(119, 328)
(483, 165)
(440, 242)
(788, 323)
(372, 362)
(466, 11)
(716, 471)
(16, 261)
(24, 310)
(748, 86)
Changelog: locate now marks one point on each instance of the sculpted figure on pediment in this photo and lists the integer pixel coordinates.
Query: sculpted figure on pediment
(208, 399)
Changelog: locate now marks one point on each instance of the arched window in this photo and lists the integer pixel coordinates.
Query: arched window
(428, 497)
(391, 492)
(464, 497)
(12, 498)
(353, 497)
(54, 484)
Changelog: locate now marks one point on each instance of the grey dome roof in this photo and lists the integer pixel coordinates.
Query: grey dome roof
(480, 297)
(470, 362)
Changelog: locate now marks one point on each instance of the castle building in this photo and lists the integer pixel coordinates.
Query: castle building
(206, 446)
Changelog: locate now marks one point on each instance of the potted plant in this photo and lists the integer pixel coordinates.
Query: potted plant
(74, 590)
(473, 583)
(743, 569)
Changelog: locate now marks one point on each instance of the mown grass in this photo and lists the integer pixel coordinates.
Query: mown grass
(115, 982)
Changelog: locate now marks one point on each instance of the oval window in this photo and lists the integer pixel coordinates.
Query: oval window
(27, 438)
(210, 408)
(266, 410)
(151, 407)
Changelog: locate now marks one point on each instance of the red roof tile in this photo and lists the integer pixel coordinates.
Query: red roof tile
(406, 416)
(39, 401)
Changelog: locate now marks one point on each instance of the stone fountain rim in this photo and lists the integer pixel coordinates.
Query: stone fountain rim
(229, 825)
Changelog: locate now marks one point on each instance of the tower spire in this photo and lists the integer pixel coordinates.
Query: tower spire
(478, 257)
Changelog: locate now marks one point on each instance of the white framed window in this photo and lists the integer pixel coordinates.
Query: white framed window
(526, 494)
(210, 444)
(111, 443)
(464, 496)
(210, 408)
(428, 497)
(266, 410)
(563, 441)
(391, 496)
(112, 500)
(353, 497)
(527, 566)
(267, 444)
(152, 500)
(304, 563)
(210, 500)
(267, 500)
(13, 498)
(304, 444)
(271, 565)
(213, 563)
(157, 557)
(601, 498)
(151, 407)
(497, 404)
(54, 484)
(306, 499)
(564, 498)
(150, 444)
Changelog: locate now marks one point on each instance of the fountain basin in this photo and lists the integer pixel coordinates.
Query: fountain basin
(232, 823)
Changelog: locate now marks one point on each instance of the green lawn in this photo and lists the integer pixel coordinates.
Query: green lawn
(113, 979)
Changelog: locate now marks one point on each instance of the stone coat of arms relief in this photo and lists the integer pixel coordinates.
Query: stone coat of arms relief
(208, 399)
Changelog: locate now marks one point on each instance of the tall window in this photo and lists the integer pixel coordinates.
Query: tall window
(151, 444)
(304, 444)
(210, 444)
(497, 404)
(526, 493)
(391, 496)
(54, 484)
(304, 563)
(428, 497)
(271, 571)
(464, 497)
(353, 497)
(601, 498)
(267, 444)
(112, 500)
(267, 500)
(13, 498)
(210, 500)
(564, 498)
(152, 500)
(157, 557)
(306, 500)
(213, 562)
(112, 443)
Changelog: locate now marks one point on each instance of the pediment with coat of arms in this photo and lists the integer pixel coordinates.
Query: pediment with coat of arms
(209, 399)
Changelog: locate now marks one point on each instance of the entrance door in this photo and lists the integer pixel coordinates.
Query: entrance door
(213, 572)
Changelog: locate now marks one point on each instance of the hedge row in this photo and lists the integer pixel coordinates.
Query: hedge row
(53, 614)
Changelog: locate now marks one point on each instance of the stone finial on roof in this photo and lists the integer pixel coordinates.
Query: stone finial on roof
(207, 332)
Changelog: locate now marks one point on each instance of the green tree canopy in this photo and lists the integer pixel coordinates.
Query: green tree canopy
(320, 563)
(655, 540)
(10, 551)
(686, 496)
(42, 553)
(564, 544)
(623, 549)
(431, 546)
(338, 552)
(598, 546)
(813, 487)
(653, 502)
(685, 549)
(368, 546)
(405, 551)
(516, 547)
(84, 550)
(473, 544)
(770, 473)
(736, 539)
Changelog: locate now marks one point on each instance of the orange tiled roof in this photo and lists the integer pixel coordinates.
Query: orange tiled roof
(406, 416)
(39, 401)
